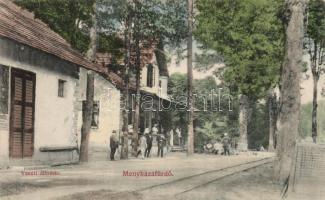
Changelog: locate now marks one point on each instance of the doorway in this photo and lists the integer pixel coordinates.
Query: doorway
(21, 138)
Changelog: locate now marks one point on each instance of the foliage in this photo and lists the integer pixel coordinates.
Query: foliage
(210, 122)
(316, 21)
(249, 36)
(259, 126)
(206, 60)
(72, 19)
(177, 91)
(315, 38)
(155, 18)
(64, 17)
(305, 123)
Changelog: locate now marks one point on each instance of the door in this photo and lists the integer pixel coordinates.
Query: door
(21, 139)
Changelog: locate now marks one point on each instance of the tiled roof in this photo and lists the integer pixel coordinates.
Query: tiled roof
(147, 55)
(20, 25)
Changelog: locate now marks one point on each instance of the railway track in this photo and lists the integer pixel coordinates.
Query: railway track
(187, 184)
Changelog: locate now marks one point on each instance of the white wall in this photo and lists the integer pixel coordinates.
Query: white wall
(164, 87)
(155, 88)
(109, 110)
(53, 115)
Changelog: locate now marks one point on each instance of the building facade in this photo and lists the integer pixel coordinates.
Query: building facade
(106, 114)
(42, 88)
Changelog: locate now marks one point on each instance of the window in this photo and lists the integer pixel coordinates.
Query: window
(150, 76)
(61, 88)
(95, 116)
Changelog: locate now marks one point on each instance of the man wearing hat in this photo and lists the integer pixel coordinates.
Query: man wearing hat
(113, 143)
(149, 142)
(161, 143)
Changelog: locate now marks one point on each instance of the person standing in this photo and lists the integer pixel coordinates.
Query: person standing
(161, 143)
(226, 144)
(168, 141)
(171, 137)
(149, 139)
(179, 135)
(155, 129)
(113, 143)
(142, 145)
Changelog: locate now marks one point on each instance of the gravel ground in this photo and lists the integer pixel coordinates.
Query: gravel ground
(104, 194)
(13, 188)
(254, 184)
(105, 180)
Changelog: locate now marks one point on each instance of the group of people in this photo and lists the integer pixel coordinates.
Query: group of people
(220, 147)
(146, 140)
(144, 144)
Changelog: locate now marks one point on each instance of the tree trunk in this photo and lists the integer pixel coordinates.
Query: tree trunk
(272, 120)
(315, 72)
(190, 147)
(290, 89)
(314, 113)
(137, 39)
(87, 117)
(125, 131)
(88, 105)
(244, 119)
(161, 58)
(136, 130)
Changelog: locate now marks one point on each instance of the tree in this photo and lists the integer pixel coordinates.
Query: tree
(249, 36)
(89, 103)
(290, 88)
(272, 109)
(153, 22)
(127, 42)
(117, 17)
(64, 17)
(210, 122)
(190, 138)
(171, 29)
(315, 45)
(137, 34)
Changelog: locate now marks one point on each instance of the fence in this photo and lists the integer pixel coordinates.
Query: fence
(308, 175)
